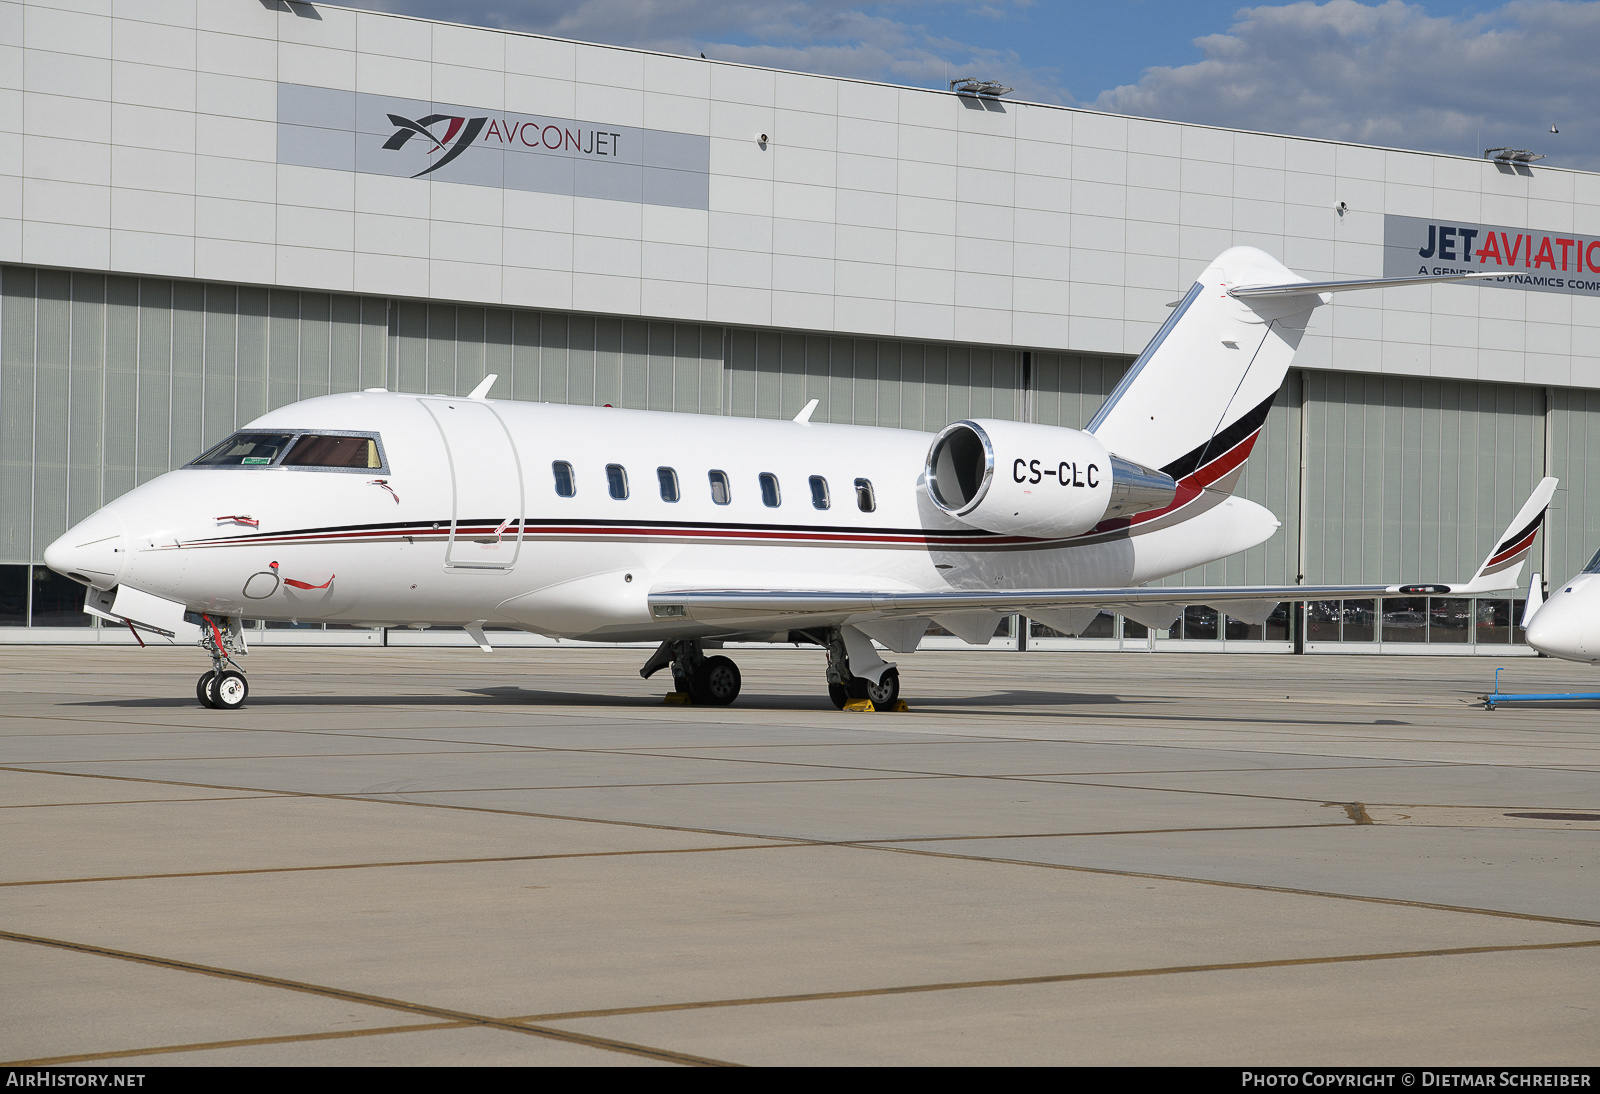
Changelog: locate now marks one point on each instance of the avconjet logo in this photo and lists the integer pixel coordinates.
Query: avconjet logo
(332, 130)
(406, 129)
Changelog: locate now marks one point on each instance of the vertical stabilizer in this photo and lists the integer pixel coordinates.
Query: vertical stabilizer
(1196, 398)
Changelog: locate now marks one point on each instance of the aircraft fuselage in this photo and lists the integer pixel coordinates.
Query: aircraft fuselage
(459, 517)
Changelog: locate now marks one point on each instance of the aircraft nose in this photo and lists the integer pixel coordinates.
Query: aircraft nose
(93, 551)
(1557, 631)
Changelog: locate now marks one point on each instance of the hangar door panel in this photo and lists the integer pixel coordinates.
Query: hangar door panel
(486, 480)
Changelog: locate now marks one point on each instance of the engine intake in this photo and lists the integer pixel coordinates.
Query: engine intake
(1036, 480)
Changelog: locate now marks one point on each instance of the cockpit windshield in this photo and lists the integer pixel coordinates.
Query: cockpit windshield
(1594, 564)
(247, 450)
(301, 451)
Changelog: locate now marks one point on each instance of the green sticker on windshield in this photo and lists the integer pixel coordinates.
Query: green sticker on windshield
(258, 459)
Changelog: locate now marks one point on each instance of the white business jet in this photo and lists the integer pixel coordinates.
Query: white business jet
(1568, 624)
(617, 525)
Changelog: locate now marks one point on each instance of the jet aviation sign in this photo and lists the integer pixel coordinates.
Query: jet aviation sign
(383, 135)
(1560, 262)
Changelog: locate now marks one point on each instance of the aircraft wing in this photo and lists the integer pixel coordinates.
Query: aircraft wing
(760, 606)
(777, 609)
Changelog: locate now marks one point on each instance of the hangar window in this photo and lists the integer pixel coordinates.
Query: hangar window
(341, 450)
(719, 488)
(769, 490)
(617, 481)
(819, 492)
(246, 450)
(669, 483)
(866, 501)
(566, 486)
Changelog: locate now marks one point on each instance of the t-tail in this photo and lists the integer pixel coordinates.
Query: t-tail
(1194, 402)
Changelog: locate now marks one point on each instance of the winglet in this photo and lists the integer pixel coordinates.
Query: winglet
(1504, 565)
(805, 415)
(482, 390)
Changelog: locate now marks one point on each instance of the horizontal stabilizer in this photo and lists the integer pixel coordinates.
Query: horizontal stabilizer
(1303, 288)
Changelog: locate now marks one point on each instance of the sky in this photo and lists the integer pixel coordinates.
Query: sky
(1437, 75)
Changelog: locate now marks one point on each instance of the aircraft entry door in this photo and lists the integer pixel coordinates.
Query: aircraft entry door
(486, 520)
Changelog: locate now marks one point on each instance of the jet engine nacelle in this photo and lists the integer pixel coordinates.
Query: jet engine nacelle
(1036, 480)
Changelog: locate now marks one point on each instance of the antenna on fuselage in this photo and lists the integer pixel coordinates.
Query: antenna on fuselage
(482, 389)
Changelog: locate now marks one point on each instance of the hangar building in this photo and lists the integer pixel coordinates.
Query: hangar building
(210, 209)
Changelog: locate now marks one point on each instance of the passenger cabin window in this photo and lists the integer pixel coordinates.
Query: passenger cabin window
(769, 490)
(719, 488)
(865, 501)
(819, 492)
(566, 486)
(669, 483)
(322, 450)
(617, 481)
(246, 450)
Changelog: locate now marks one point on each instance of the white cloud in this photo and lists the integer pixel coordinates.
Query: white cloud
(1393, 75)
(832, 37)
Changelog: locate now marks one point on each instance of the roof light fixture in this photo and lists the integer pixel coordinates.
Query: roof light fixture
(1511, 155)
(971, 85)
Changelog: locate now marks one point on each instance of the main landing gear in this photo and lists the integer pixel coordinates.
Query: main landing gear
(859, 693)
(858, 679)
(224, 687)
(705, 681)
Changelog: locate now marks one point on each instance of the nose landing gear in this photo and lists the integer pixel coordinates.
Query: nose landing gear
(224, 686)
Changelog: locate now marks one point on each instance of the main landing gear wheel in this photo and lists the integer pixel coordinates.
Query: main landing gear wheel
(716, 682)
(882, 694)
(228, 690)
(202, 688)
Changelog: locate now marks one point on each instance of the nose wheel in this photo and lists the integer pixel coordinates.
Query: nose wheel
(224, 686)
(226, 690)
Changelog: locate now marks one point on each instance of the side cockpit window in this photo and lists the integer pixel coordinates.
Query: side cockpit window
(331, 450)
(328, 451)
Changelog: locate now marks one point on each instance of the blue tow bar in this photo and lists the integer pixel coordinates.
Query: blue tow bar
(1492, 700)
